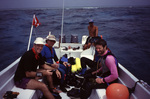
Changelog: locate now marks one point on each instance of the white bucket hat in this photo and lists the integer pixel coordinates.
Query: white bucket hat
(39, 40)
(51, 37)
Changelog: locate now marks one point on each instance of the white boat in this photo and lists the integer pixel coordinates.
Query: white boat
(142, 89)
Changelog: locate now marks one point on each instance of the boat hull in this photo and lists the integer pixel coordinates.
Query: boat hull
(125, 77)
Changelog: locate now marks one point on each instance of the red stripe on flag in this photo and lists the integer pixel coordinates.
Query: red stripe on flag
(35, 21)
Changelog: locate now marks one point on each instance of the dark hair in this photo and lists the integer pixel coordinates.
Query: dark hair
(101, 42)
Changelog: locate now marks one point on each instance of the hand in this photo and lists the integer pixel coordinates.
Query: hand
(55, 65)
(37, 78)
(99, 80)
(58, 74)
(65, 64)
(47, 73)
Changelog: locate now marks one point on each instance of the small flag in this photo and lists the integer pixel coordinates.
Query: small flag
(35, 21)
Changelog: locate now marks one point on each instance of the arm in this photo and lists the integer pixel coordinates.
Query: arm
(55, 56)
(51, 68)
(30, 74)
(110, 63)
(58, 74)
(96, 31)
(94, 58)
(89, 31)
(34, 74)
(48, 67)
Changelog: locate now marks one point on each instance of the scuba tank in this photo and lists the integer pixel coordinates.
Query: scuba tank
(78, 64)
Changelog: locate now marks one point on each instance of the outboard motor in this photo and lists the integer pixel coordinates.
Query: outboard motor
(84, 38)
(74, 38)
(63, 38)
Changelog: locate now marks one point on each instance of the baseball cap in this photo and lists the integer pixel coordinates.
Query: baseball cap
(91, 21)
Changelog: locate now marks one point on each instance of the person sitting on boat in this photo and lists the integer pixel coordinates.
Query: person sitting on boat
(93, 34)
(27, 74)
(103, 69)
(49, 54)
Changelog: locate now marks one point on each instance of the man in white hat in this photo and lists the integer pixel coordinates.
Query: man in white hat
(49, 54)
(27, 74)
(48, 51)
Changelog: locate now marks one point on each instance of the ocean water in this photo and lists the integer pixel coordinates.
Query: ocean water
(126, 30)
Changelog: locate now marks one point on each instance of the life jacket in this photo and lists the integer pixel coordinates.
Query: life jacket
(104, 72)
(48, 54)
(64, 58)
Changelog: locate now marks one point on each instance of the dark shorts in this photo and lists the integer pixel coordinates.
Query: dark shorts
(22, 83)
(92, 39)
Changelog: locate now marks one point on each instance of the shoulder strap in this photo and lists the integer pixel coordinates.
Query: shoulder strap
(109, 53)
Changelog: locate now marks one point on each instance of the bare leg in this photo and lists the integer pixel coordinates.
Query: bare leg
(85, 47)
(89, 44)
(50, 81)
(34, 84)
(49, 78)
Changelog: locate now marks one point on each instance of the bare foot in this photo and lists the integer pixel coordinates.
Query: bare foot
(56, 90)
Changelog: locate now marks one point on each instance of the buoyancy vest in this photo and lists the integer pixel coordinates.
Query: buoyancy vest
(104, 72)
(48, 54)
(77, 66)
(64, 58)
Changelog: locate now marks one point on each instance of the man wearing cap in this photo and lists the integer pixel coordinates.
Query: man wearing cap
(49, 54)
(27, 74)
(93, 32)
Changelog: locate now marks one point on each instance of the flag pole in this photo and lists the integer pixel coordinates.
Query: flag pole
(30, 34)
(62, 22)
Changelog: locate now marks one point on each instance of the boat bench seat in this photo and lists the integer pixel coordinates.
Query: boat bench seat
(25, 93)
(88, 56)
(7, 84)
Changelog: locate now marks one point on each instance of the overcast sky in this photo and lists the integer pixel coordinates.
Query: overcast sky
(4, 4)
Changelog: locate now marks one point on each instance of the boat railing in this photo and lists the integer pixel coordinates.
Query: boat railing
(6, 76)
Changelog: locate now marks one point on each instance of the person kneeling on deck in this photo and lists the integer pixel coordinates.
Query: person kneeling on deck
(49, 54)
(101, 75)
(27, 74)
